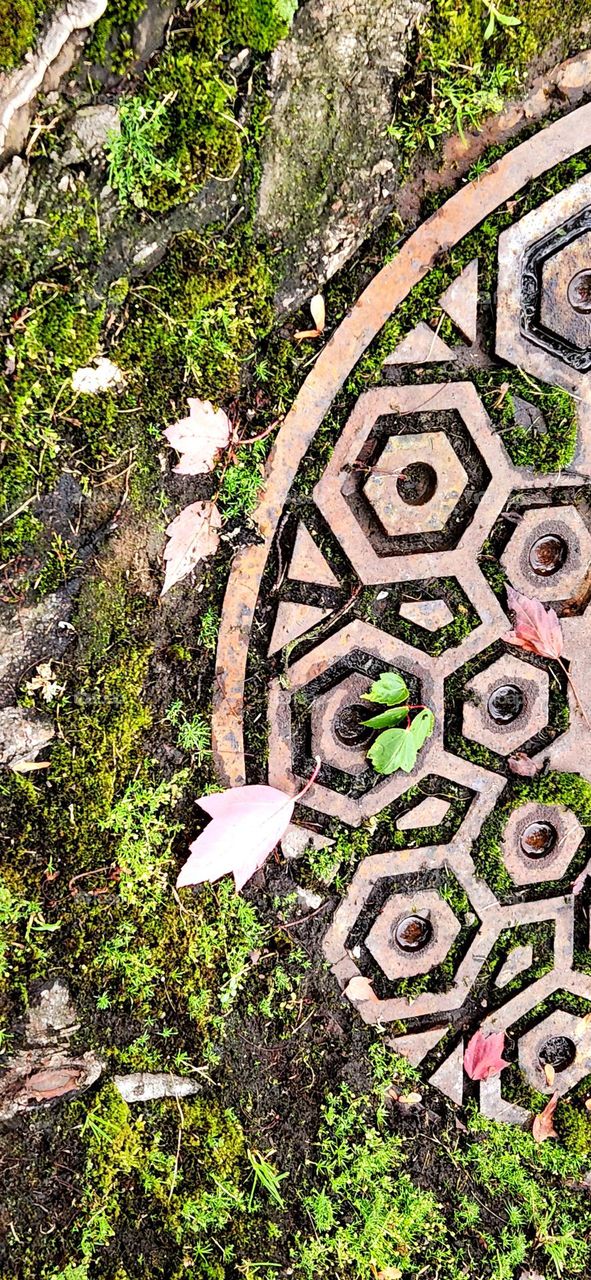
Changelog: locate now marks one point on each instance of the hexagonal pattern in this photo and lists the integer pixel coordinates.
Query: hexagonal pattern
(514, 691)
(543, 1043)
(538, 328)
(420, 486)
(564, 307)
(335, 737)
(393, 959)
(444, 480)
(549, 555)
(539, 842)
(371, 644)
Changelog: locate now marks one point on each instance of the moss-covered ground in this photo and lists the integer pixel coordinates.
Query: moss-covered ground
(298, 1156)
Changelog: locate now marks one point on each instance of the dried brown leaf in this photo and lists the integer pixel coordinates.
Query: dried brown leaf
(318, 312)
(306, 333)
(521, 764)
(360, 989)
(52, 1083)
(192, 536)
(543, 1127)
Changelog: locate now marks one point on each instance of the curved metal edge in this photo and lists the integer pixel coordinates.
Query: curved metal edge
(444, 229)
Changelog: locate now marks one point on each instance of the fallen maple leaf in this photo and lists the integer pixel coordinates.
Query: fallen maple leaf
(536, 629)
(521, 764)
(359, 990)
(199, 437)
(192, 536)
(543, 1127)
(482, 1058)
(248, 822)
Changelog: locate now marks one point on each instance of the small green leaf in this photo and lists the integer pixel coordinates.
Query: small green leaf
(490, 27)
(389, 689)
(506, 20)
(393, 749)
(386, 719)
(422, 727)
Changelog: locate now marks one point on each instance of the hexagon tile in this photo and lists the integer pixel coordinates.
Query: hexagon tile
(429, 493)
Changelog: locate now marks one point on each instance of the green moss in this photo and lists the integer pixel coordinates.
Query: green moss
(111, 40)
(462, 73)
(574, 1128)
(527, 1179)
(260, 24)
(366, 1213)
(57, 335)
(551, 449)
(566, 789)
(131, 1160)
(61, 562)
(19, 20)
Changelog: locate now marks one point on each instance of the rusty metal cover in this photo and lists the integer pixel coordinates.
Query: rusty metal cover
(419, 511)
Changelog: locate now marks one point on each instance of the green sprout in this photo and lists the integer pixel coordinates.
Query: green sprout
(396, 747)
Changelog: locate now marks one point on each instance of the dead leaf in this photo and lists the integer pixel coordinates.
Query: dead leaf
(199, 437)
(543, 1127)
(388, 1273)
(103, 376)
(588, 1104)
(318, 312)
(521, 764)
(410, 1099)
(359, 990)
(248, 823)
(500, 396)
(44, 682)
(550, 1074)
(192, 536)
(52, 1083)
(30, 766)
(483, 1056)
(535, 629)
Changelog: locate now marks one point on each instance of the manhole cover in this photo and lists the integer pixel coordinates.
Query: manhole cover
(396, 555)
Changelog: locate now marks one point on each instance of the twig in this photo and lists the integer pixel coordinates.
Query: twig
(575, 692)
(178, 1151)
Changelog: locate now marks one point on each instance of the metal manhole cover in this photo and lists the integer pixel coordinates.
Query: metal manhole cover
(395, 554)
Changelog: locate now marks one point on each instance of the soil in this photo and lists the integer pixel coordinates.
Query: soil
(312, 1147)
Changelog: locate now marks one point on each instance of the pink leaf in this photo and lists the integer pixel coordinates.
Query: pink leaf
(483, 1057)
(199, 437)
(247, 824)
(192, 535)
(522, 765)
(543, 1127)
(535, 629)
